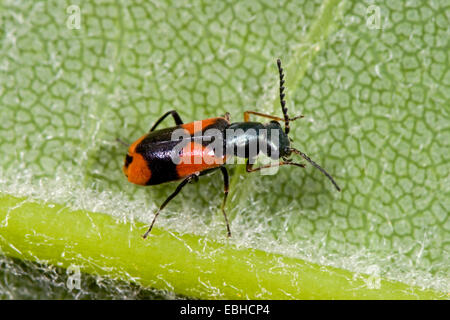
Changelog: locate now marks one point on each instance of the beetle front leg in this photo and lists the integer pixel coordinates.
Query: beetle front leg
(249, 166)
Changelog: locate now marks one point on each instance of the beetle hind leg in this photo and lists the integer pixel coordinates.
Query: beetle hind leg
(173, 195)
(226, 184)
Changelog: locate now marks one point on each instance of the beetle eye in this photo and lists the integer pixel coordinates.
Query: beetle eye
(128, 160)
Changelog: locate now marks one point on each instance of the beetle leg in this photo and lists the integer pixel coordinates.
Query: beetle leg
(225, 195)
(194, 179)
(248, 113)
(227, 116)
(173, 195)
(175, 115)
(249, 166)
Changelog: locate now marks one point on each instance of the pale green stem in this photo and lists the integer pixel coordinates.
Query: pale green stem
(186, 264)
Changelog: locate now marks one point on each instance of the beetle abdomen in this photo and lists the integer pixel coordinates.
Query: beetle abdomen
(174, 153)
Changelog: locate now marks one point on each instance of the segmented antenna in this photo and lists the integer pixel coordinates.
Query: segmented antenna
(282, 95)
(304, 156)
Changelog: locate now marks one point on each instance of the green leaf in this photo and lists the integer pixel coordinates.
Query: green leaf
(372, 79)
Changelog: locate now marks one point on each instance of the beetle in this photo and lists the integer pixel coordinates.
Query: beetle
(150, 160)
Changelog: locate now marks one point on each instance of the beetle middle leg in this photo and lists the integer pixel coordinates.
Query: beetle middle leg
(173, 195)
(173, 113)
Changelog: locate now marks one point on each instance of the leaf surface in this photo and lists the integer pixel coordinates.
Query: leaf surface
(372, 80)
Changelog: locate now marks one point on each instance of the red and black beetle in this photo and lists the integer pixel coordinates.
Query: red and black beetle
(184, 152)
